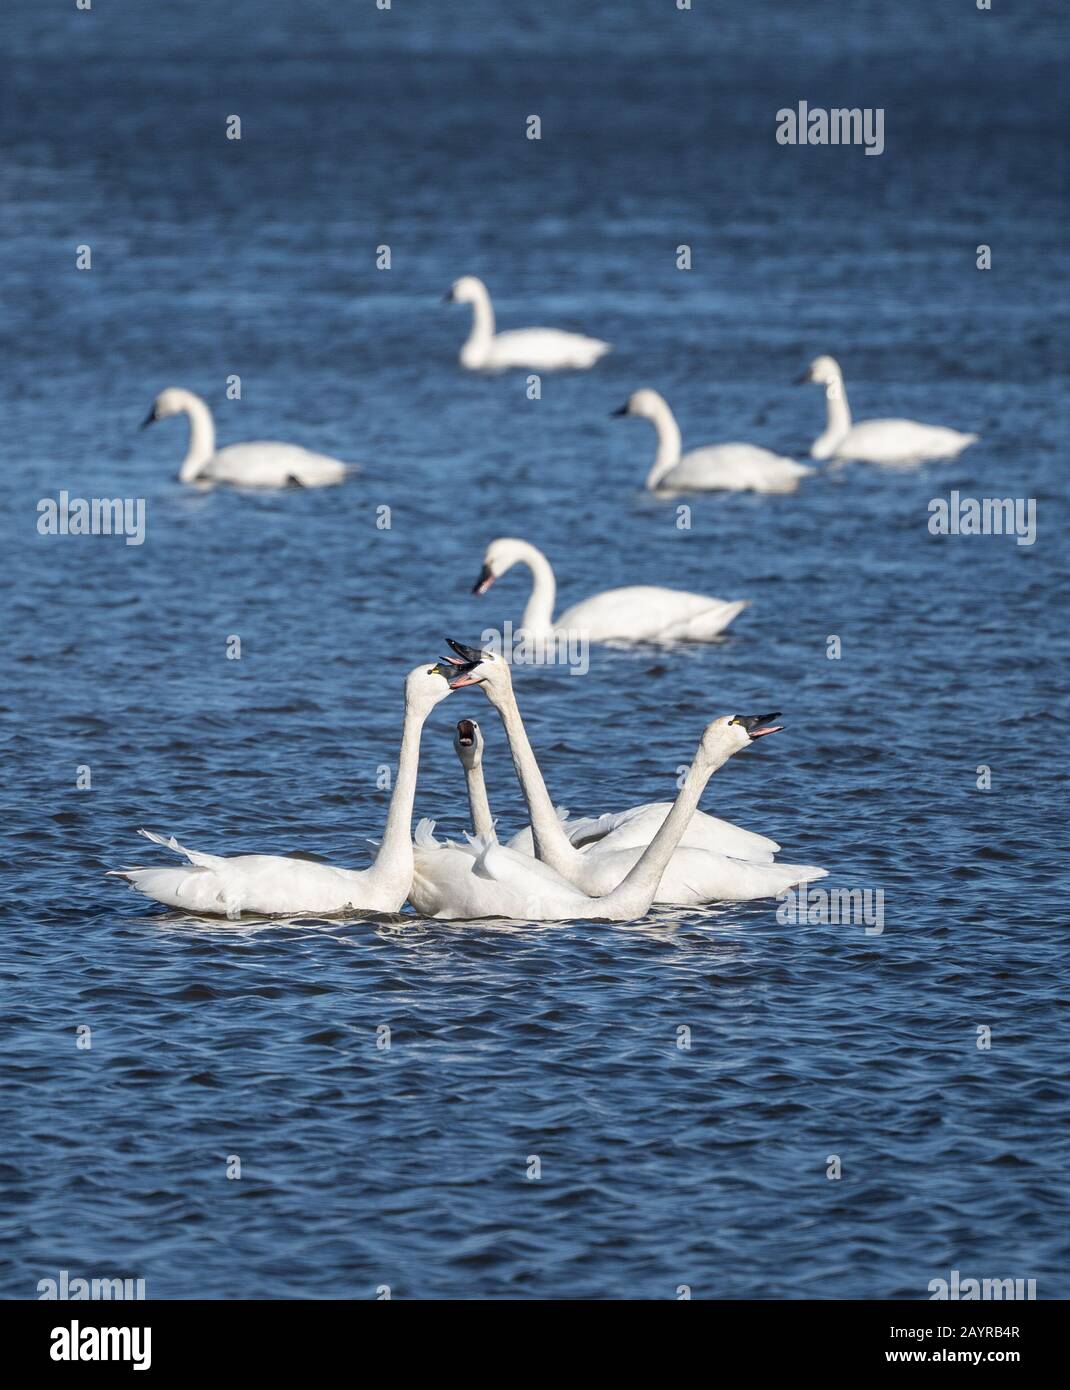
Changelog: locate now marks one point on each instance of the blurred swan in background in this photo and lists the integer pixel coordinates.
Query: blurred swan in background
(715, 467)
(543, 349)
(260, 464)
(277, 884)
(638, 613)
(875, 441)
(689, 875)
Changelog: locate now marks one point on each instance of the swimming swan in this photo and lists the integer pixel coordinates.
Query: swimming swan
(639, 613)
(723, 467)
(875, 441)
(271, 883)
(544, 349)
(494, 881)
(690, 875)
(241, 465)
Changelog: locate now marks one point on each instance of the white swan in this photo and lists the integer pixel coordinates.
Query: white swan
(690, 875)
(259, 464)
(639, 613)
(875, 441)
(274, 884)
(490, 880)
(717, 467)
(543, 349)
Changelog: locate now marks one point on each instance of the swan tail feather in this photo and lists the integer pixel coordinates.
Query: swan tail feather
(805, 873)
(206, 861)
(424, 837)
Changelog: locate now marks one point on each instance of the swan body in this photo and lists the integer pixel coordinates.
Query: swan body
(717, 467)
(260, 464)
(638, 613)
(876, 441)
(689, 875)
(542, 349)
(268, 884)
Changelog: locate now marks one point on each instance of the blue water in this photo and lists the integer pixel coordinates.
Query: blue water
(660, 1167)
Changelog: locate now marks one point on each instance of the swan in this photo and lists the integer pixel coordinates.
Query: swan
(275, 884)
(241, 465)
(690, 875)
(489, 880)
(639, 613)
(725, 467)
(543, 349)
(875, 441)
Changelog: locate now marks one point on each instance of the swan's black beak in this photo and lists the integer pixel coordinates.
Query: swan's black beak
(803, 379)
(758, 725)
(447, 298)
(622, 411)
(462, 670)
(485, 580)
(471, 656)
(445, 667)
(148, 420)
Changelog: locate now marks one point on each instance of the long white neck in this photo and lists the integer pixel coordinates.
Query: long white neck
(668, 454)
(475, 349)
(633, 896)
(201, 437)
(539, 610)
(482, 824)
(838, 414)
(552, 845)
(391, 872)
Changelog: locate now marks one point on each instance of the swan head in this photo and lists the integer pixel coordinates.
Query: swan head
(825, 371)
(170, 402)
(500, 555)
(647, 404)
(425, 686)
(731, 732)
(483, 668)
(468, 743)
(467, 290)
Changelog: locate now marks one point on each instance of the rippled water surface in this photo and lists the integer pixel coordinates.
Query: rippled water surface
(409, 1167)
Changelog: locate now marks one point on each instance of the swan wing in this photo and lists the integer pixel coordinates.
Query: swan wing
(637, 826)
